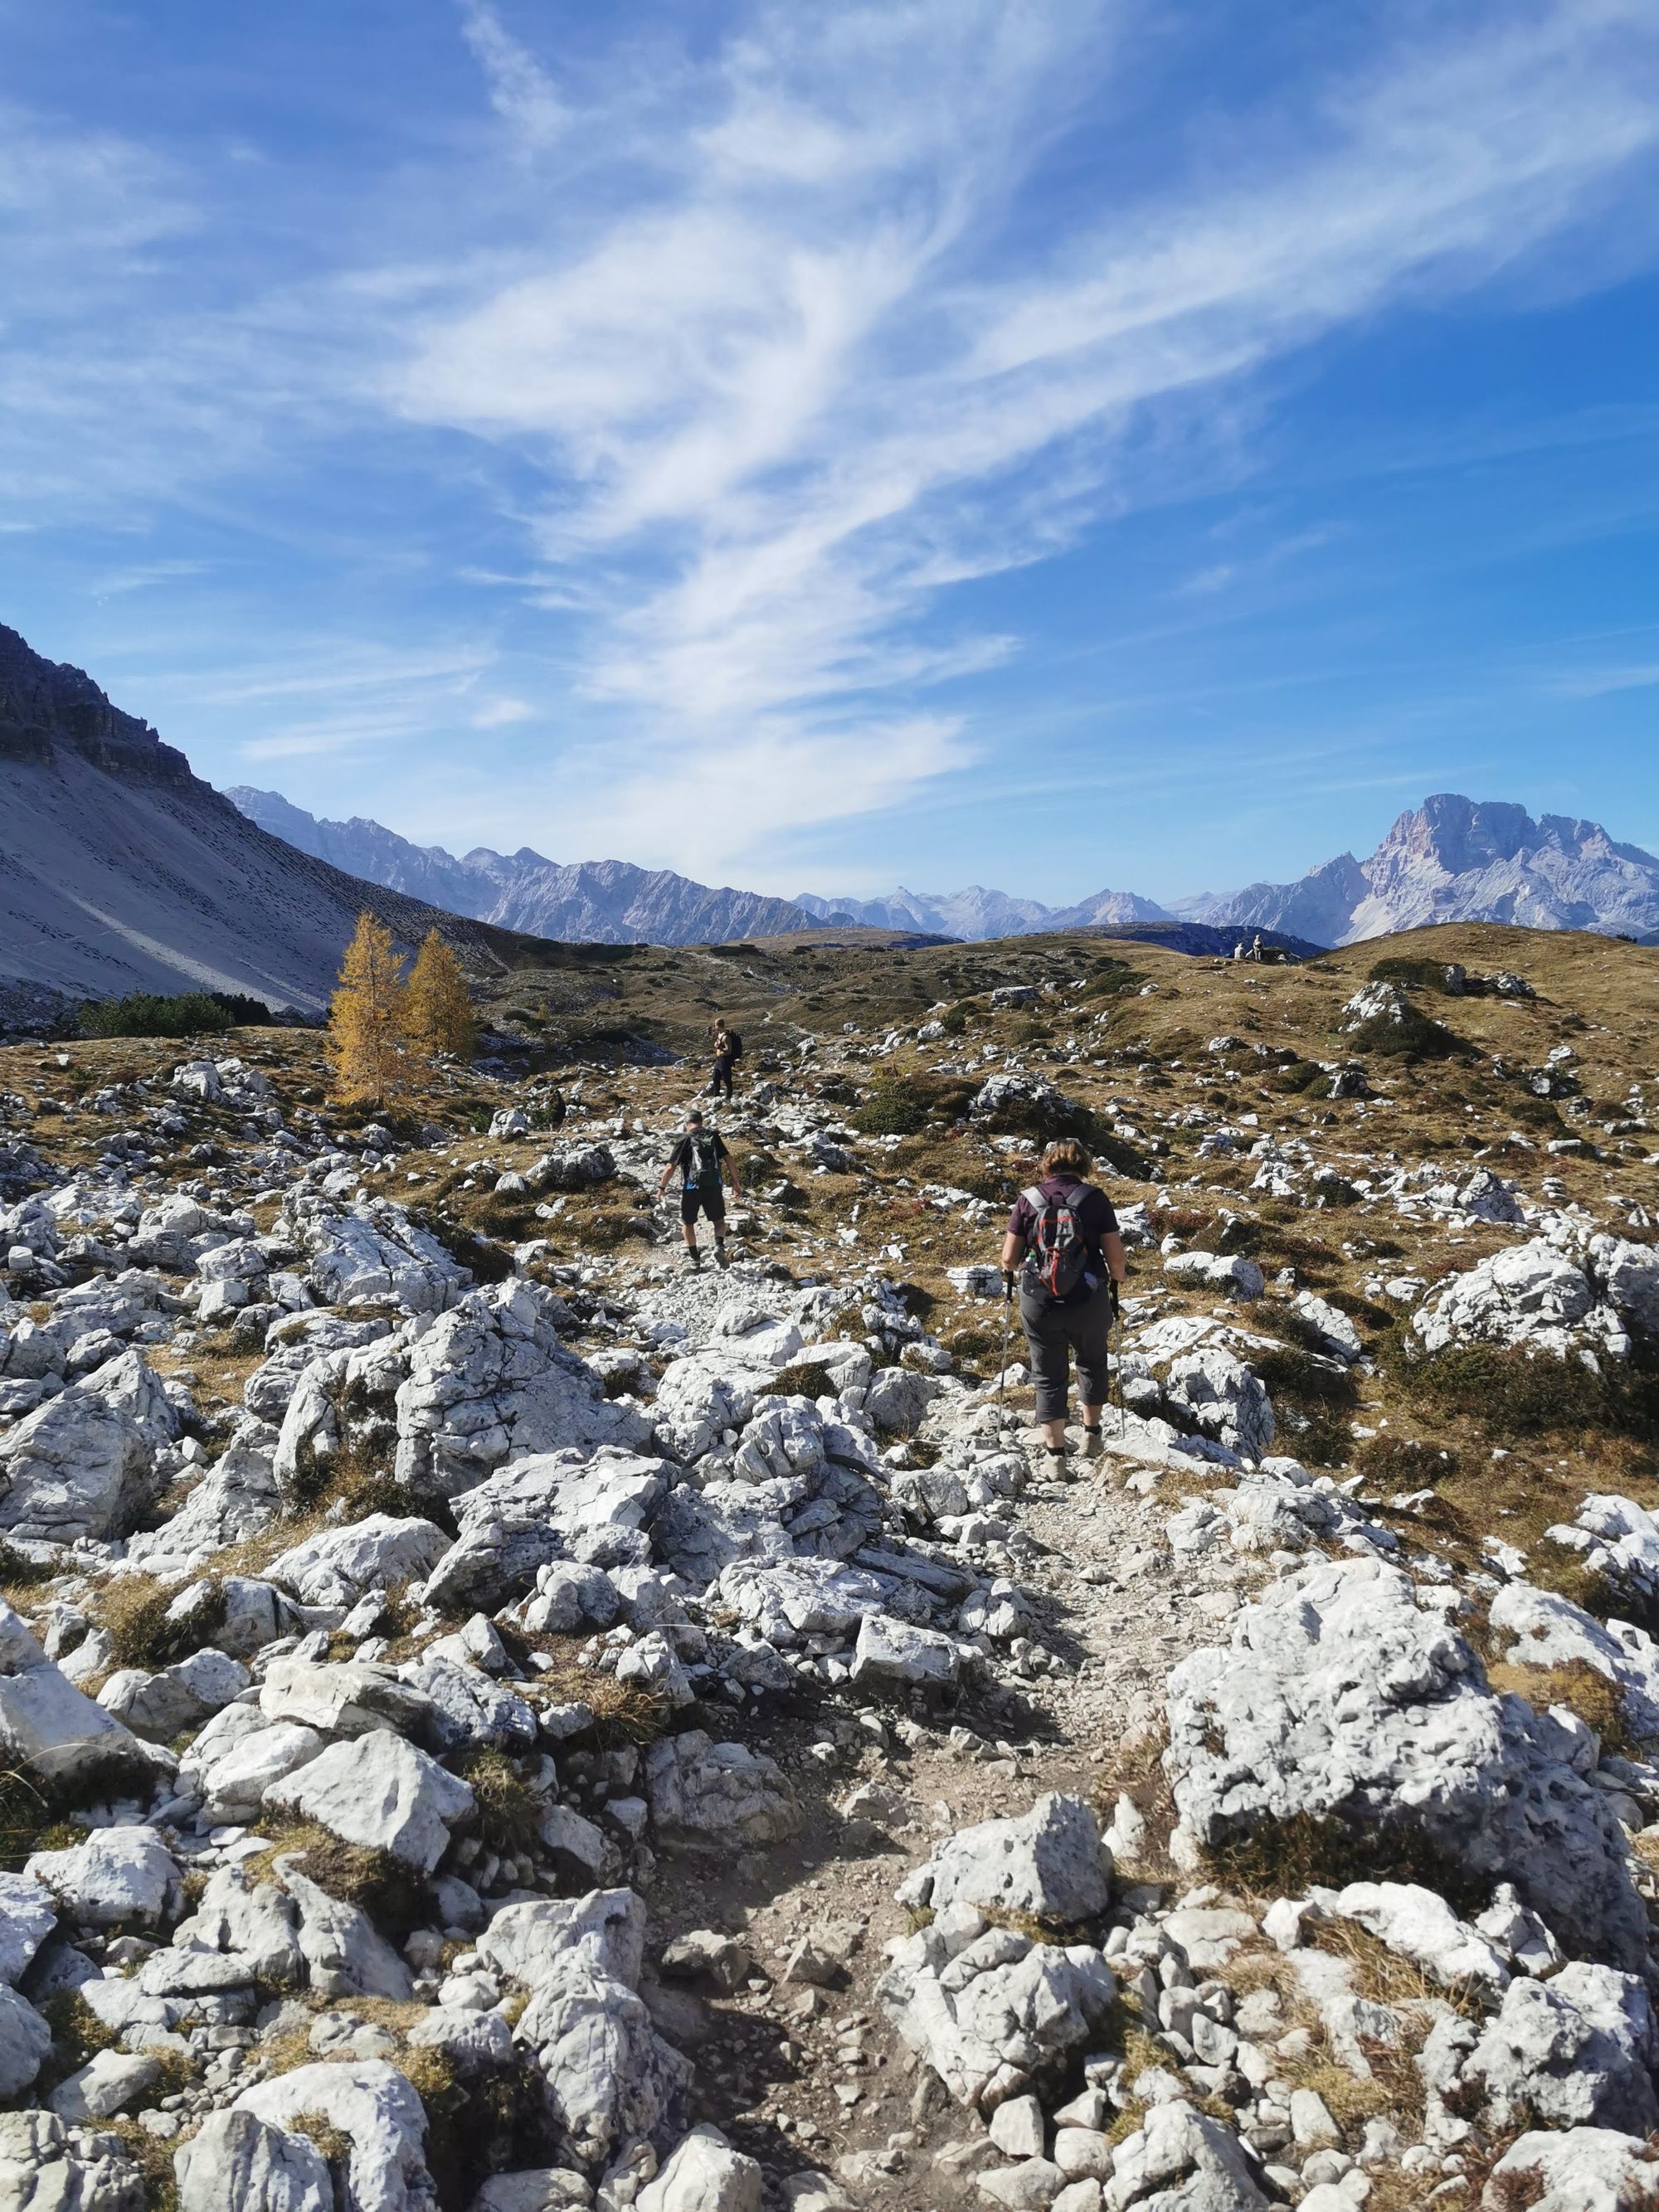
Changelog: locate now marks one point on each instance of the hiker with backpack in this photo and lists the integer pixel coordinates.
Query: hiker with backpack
(702, 1159)
(728, 1051)
(1063, 1238)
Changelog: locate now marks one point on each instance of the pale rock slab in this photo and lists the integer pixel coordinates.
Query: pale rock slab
(381, 1792)
(1049, 1863)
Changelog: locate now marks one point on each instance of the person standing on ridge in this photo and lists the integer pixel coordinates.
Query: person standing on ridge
(1063, 1237)
(728, 1050)
(702, 1158)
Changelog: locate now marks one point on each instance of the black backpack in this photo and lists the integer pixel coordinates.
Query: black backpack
(733, 1045)
(707, 1149)
(1058, 1253)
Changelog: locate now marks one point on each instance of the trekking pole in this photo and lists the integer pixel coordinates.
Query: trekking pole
(1114, 1367)
(1007, 1311)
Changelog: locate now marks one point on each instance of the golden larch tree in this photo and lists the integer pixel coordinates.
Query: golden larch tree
(439, 1004)
(368, 1017)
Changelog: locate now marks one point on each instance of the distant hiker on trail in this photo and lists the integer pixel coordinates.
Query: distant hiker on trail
(1065, 1233)
(700, 1156)
(728, 1050)
(1256, 947)
(1238, 949)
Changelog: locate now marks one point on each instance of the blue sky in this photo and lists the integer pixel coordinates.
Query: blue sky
(1052, 443)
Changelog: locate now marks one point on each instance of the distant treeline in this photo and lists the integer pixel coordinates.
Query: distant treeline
(188, 1013)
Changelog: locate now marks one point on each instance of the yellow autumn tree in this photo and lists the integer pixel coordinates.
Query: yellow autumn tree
(368, 1017)
(439, 1004)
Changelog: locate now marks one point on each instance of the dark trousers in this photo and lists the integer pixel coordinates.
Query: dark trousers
(1053, 1333)
(721, 1079)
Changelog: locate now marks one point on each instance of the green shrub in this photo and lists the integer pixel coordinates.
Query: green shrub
(1414, 1037)
(1514, 1393)
(143, 1013)
(1414, 975)
(954, 1022)
(894, 1108)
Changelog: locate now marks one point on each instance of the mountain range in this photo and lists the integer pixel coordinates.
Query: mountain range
(1451, 860)
(121, 871)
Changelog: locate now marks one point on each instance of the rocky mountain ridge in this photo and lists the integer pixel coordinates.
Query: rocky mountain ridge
(121, 871)
(1457, 860)
(1451, 860)
(595, 902)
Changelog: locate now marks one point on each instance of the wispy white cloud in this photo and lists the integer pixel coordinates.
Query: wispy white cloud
(765, 348)
(813, 382)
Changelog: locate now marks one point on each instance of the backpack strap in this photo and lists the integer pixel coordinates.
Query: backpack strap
(1035, 1200)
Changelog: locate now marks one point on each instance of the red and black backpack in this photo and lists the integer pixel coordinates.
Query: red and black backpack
(1058, 1253)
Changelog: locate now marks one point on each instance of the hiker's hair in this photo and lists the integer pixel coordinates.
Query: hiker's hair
(1065, 1157)
(695, 1115)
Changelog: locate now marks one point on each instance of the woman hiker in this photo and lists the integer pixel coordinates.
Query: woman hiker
(1063, 1237)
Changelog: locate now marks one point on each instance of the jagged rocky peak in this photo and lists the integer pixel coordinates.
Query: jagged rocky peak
(46, 703)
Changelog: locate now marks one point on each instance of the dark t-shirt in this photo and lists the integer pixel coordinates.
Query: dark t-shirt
(684, 1154)
(1092, 1213)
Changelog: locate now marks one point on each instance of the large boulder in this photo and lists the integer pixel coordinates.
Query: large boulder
(1582, 2170)
(491, 1382)
(235, 2160)
(376, 2110)
(703, 2174)
(709, 1796)
(379, 1552)
(1049, 1863)
(25, 2044)
(1620, 1541)
(584, 1505)
(380, 1792)
(1223, 1399)
(610, 2076)
(238, 1498)
(77, 1467)
(1577, 2051)
(990, 2011)
(371, 1252)
(1341, 1700)
(118, 1877)
(1191, 2160)
(51, 1727)
(1545, 1298)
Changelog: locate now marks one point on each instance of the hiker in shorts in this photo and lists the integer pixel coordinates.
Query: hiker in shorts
(728, 1050)
(701, 1157)
(1063, 1237)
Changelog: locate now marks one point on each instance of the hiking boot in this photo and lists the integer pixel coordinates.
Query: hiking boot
(692, 1263)
(1093, 1446)
(720, 1255)
(1054, 1468)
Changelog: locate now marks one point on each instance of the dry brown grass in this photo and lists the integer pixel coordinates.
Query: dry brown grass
(1580, 1688)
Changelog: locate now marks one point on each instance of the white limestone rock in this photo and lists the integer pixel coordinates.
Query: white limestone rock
(586, 1505)
(491, 1382)
(1550, 1631)
(717, 1796)
(237, 2160)
(988, 2010)
(372, 1251)
(378, 2113)
(1340, 1698)
(1577, 2051)
(380, 1792)
(77, 1467)
(336, 1565)
(1579, 2170)
(25, 2044)
(703, 2174)
(119, 1875)
(1049, 1863)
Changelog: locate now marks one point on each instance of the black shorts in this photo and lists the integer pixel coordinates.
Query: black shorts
(694, 1201)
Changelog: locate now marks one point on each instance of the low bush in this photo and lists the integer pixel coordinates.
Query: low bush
(1513, 1393)
(1414, 1037)
(143, 1013)
(894, 1108)
(1414, 975)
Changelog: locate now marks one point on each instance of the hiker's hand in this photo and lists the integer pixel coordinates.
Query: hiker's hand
(1116, 1290)
(1008, 1283)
